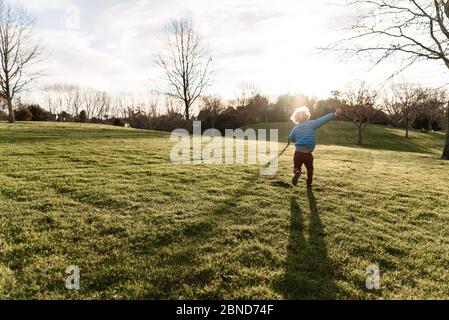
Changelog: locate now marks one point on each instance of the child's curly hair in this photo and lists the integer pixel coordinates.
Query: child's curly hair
(301, 115)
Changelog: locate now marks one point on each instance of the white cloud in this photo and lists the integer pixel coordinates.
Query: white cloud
(43, 5)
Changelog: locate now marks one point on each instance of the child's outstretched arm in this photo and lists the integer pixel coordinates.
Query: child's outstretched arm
(323, 120)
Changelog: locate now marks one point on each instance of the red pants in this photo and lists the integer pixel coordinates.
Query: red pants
(302, 158)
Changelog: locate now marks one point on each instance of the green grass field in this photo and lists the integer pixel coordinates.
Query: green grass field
(109, 201)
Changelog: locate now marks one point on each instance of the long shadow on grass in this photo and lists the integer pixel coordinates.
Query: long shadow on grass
(309, 273)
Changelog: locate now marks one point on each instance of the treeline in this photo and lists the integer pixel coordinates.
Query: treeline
(403, 105)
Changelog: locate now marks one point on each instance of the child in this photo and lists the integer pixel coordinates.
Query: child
(304, 136)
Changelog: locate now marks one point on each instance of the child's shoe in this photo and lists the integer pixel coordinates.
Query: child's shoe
(296, 178)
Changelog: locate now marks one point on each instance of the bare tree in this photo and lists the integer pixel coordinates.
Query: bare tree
(213, 105)
(89, 97)
(120, 105)
(245, 92)
(393, 110)
(101, 105)
(123, 104)
(117, 111)
(172, 106)
(18, 51)
(407, 98)
(49, 99)
(433, 106)
(152, 108)
(360, 108)
(59, 98)
(73, 99)
(186, 63)
(55, 98)
(414, 30)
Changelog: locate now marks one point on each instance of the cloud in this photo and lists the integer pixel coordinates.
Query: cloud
(79, 62)
(44, 5)
(125, 35)
(271, 43)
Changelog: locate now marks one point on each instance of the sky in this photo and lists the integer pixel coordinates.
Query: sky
(109, 45)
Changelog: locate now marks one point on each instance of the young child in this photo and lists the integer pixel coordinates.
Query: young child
(304, 137)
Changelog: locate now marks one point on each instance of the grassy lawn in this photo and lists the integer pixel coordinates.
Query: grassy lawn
(109, 201)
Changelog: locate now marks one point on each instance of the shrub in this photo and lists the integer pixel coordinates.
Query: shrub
(65, 117)
(139, 120)
(83, 116)
(38, 113)
(118, 122)
(231, 118)
(171, 122)
(96, 120)
(380, 117)
(23, 114)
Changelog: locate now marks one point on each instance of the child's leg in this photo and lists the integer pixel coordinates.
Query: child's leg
(308, 162)
(298, 162)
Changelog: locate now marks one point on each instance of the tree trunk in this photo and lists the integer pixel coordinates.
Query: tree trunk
(11, 117)
(359, 141)
(187, 111)
(446, 146)
(406, 127)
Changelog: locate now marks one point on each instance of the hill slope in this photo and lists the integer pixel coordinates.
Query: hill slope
(109, 201)
(375, 137)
